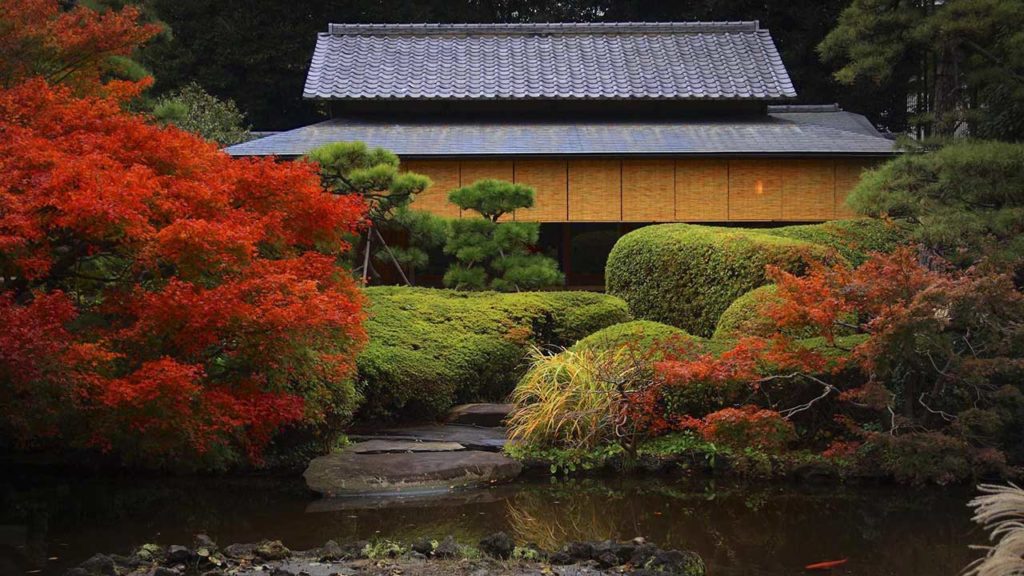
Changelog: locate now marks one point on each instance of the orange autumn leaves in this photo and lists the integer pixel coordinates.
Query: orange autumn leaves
(72, 47)
(159, 299)
(922, 337)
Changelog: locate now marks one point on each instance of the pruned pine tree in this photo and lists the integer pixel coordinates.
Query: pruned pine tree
(492, 253)
(373, 174)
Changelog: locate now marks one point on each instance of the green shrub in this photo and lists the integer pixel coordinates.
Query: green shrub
(686, 276)
(852, 239)
(963, 201)
(642, 334)
(431, 348)
(747, 315)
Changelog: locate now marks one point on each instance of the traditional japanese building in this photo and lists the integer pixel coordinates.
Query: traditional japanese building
(614, 125)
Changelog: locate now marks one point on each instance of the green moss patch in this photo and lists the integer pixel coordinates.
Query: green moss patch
(432, 348)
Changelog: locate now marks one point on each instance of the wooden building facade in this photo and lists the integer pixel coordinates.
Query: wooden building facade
(615, 125)
(699, 190)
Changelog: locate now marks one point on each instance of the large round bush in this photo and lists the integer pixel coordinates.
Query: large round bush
(687, 275)
(431, 348)
(852, 239)
(748, 315)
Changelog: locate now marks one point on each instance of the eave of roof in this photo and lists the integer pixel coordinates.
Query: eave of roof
(559, 61)
(792, 133)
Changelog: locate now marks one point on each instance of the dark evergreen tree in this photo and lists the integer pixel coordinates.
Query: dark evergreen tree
(964, 202)
(373, 174)
(960, 61)
(495, 253)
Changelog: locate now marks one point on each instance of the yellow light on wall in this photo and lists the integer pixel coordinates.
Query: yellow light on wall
(758, 187)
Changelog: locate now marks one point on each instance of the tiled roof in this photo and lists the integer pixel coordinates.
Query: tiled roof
(658, 61)
(798, 133)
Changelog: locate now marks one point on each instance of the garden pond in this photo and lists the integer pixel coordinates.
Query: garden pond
(48, 525)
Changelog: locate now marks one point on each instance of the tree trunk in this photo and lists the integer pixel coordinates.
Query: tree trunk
(946, 95)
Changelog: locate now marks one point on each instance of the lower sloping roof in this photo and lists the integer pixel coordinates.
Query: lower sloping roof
(830, 132)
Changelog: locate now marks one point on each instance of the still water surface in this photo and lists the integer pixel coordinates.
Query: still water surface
(47, 525)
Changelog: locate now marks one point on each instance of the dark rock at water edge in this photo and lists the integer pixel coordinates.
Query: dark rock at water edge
(272, 550)
(498, 545)
(424, 557)
(448, 548)
(99, 565)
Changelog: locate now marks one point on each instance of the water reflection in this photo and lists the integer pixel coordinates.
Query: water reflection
(738, 529)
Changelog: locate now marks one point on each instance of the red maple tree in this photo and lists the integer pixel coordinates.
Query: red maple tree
(158, 298)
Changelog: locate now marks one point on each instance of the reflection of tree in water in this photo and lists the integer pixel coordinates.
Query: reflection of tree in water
(737, 529)
(762, 529)
(550, 519)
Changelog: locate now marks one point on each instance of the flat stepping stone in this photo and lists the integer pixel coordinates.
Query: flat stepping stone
(347, 473)
(486, 415)
(472, 437)
(468, 497)
(402, 446)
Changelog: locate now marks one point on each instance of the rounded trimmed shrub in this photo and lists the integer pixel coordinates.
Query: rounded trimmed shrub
(854, 239)
(431, 348)
(643, 334)
(747, 315)
(686, 275)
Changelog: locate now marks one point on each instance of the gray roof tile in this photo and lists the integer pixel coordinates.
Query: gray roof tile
(658, 61)
(833, 132)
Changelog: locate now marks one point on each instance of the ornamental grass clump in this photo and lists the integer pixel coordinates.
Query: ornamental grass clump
(573, 398)
(1000, 510)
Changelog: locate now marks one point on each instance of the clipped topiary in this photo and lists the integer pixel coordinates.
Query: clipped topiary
(748, 315)
(686, 275)
(432, 348)
(853, 239)
(642, 334)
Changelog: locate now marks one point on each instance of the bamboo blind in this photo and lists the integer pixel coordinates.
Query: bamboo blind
(648, 190)
(549, 179)
(445, 174)
(808, 190)
(656, 190)
(595, 190)
(702, 190)
(847, 176)
(755, 190)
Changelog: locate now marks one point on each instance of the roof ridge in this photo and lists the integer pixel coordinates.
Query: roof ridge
(783, 108)
(441, 29)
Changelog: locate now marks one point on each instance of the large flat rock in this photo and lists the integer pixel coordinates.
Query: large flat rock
(487, 415)
(472, 437)
(391, 446)
(347, 473)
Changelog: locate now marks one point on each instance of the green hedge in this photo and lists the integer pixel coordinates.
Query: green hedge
(647, 336)
(746, 315)
(686, 275)
(853, 239)
(431, 348)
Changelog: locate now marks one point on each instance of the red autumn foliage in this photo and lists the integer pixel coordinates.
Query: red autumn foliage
(747, 426)
(903, 349)
(40, 40)
(158, 298)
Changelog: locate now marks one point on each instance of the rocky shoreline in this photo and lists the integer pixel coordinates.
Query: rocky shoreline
(496, 555)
